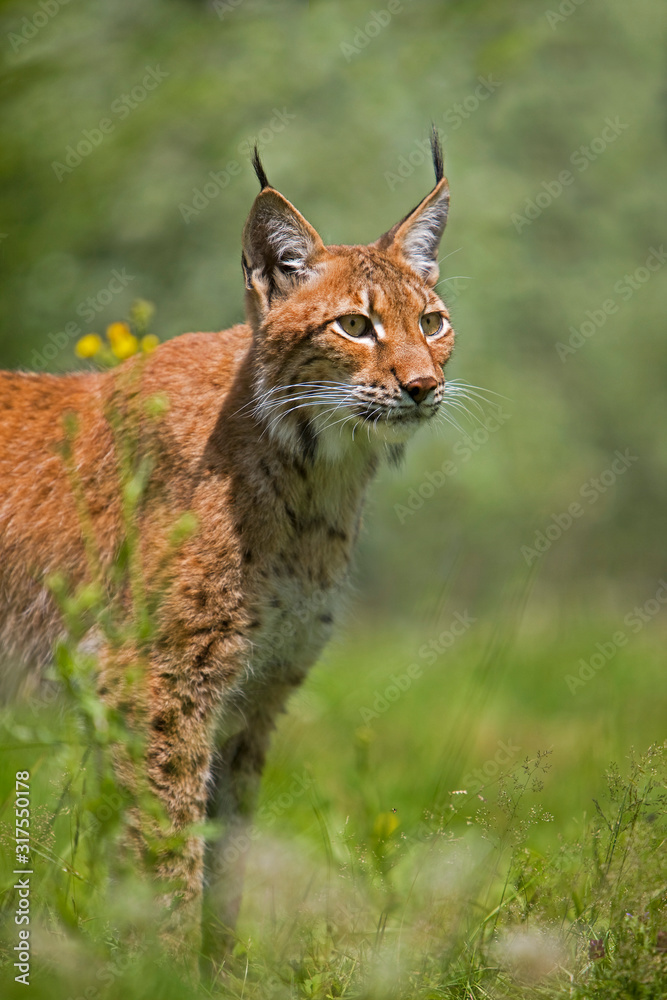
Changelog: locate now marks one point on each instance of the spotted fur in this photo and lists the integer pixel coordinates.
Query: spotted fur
(273, 432)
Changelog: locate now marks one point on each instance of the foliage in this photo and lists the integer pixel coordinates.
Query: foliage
(412, 855)
(459, 904)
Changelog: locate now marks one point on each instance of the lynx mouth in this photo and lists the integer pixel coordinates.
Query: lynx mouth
(398, 416)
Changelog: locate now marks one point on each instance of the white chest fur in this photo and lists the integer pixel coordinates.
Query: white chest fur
(297, 580)
(295, 623)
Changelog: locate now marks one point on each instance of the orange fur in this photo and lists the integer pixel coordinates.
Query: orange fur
(273, 432)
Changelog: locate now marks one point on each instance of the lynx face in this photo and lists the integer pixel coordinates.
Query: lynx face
(350, 341)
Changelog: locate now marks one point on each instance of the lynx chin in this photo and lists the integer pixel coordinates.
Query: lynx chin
(272, 434)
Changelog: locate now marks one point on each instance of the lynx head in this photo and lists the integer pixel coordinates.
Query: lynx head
(350, 342)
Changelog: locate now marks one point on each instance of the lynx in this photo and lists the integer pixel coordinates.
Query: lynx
(273, 432)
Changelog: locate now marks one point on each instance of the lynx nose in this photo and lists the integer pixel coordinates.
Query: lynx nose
(419, 388)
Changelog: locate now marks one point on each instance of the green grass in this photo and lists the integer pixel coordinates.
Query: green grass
(468, 839)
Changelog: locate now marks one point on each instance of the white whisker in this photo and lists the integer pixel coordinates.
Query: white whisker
(468, 413)
(450, 254)
(460, 383)
(264, 400)
(449, 419)
(462, 398)
(335, 403)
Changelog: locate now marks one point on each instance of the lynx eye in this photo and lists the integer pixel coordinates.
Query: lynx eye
(431, 323)
(355, 325)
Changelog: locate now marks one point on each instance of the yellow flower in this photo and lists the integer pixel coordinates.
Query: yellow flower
(125, 347)
(88, 346)
(123, 342)
(118, 332)
(149, 343)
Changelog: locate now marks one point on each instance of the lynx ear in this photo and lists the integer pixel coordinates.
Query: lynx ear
(417, 237)
(279, 246)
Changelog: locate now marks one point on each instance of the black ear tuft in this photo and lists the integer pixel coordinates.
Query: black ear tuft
(418, 235)
(259, 169)
(436, 152)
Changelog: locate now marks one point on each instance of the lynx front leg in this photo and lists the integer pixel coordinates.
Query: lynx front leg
(178, 720)
(236, 771)
(174, 765)
(178, 764)
(171, 702)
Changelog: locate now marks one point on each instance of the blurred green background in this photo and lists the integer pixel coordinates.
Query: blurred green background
(124, 151)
